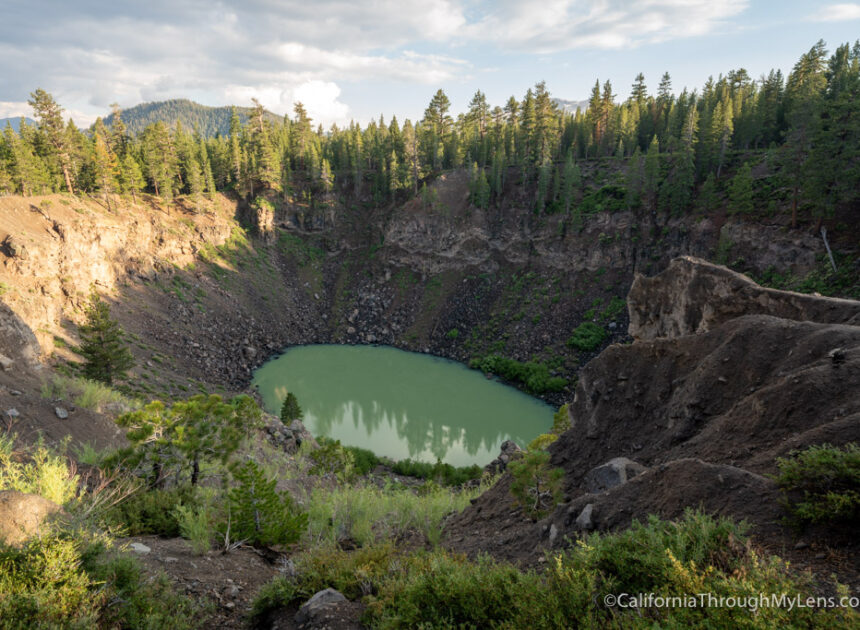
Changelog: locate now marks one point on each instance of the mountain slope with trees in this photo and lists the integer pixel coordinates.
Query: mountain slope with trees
(15, 122)
(205, 120)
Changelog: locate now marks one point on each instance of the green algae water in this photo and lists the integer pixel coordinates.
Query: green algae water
(402, 404)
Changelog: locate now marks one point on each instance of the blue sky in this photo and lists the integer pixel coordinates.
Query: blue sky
(347, 59)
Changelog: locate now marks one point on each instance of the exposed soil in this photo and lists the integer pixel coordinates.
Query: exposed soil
(225, 581)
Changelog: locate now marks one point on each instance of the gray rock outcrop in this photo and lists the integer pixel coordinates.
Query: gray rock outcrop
(615, 472)
(694, 296)
(17, 341)
(313, 609)
(509, 450)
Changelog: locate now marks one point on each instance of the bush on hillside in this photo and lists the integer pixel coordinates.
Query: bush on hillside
(695, 555)
(587, 337)
(331, 458)
(441, 473)
(535, 376)
(152, 511)
(822, 483)
(364, 461)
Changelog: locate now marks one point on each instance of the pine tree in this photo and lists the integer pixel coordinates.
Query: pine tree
(131, 177)
(105, 355)
(259, 514)
(708, 197)
(50, 116)
(290, 409)
(741, 192)
(651, 181)
(174, 441)
(571, 183)
(544, 175)
(104, 161)
(235, 150)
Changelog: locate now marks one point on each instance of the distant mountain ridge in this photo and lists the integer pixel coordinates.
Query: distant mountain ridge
(208, 121)
(570, 106)
(15, 121)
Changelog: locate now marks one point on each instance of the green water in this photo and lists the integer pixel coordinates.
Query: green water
(402, 404)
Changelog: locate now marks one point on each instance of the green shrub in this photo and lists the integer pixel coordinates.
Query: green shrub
(441, 590)
(152, 511)
(354, 573)
(364, 514)
(822, 483)
(332, 459)
(196, 526)
(258, 513)
(441, 473)
(64, 581)
(88, 454)
(363, 460)
(535, 376)
(139, 602)
(615, 307)
(36, 470)
(41, 585)
(561, 419)
(587, 337)
(695, 555)
(453, 333)
(87, 394)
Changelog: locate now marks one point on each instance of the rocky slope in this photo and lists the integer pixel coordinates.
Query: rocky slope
(703, 402)
(56, 248)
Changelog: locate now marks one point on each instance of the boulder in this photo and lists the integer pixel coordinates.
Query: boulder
(139, 548)
(17, 341)
(22, 515)
(615, 472)
(583, 521)
(61, 413)
(509, 450)
(316, 606)
(301, 434)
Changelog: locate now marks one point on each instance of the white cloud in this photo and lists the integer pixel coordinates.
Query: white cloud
(837, 13)
(408, 66)
(557, 25)
(12, 109)
(320, 101)
(90, 54)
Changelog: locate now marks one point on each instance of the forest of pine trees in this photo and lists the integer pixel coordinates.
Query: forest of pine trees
(669, 145)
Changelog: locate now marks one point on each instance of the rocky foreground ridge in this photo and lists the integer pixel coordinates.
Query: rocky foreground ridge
(723, 377)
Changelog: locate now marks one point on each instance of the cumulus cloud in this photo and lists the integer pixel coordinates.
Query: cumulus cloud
(89, 53)
(12, 109)
(558, 25)
(320, 99)
(837, 13)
